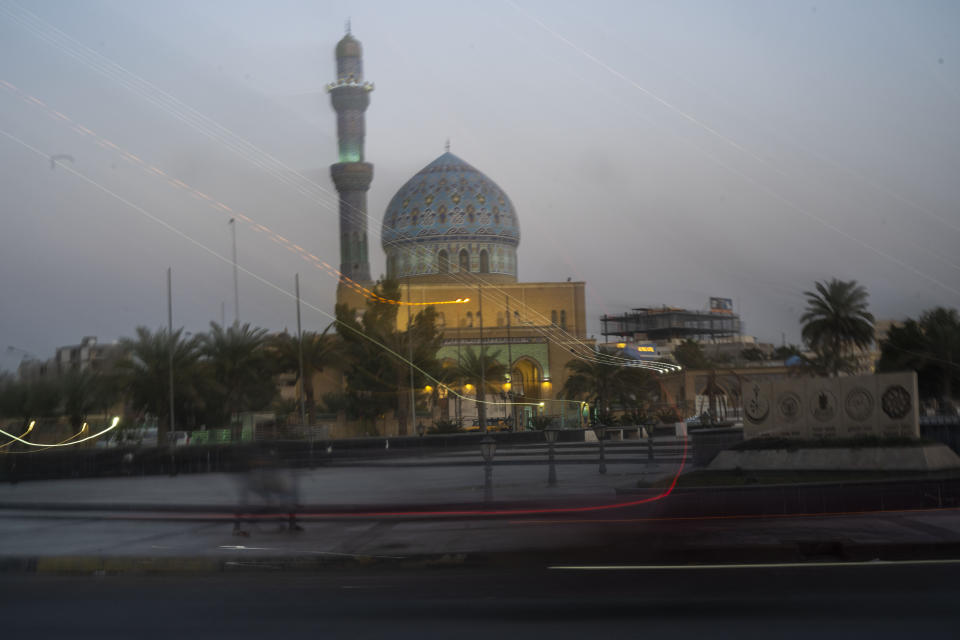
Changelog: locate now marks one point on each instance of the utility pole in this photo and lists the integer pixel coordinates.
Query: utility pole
(413, 402)
(513, 417)
(170, 354)
(236, 286)
(483, 367)
(303, 406)
(459, 364)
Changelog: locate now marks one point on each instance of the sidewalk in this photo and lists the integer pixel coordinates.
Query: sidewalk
(77, 525)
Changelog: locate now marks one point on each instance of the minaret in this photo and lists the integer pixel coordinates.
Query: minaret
(350, 96)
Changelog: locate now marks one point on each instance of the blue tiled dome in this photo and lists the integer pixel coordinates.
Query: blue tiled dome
(450, 201)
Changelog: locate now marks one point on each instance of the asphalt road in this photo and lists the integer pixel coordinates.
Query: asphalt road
(871, 600)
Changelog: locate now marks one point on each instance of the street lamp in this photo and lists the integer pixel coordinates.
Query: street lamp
(551, 433)
(600, 430)
(650, 424)
(488, 448)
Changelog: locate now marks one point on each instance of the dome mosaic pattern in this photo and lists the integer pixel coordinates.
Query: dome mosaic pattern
(450, 201)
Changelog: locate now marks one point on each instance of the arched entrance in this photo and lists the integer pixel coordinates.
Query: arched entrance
(526, 377)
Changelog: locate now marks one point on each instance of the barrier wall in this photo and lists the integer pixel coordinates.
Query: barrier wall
(881, 405)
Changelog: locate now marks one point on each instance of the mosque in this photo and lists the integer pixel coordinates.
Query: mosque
(451, 233)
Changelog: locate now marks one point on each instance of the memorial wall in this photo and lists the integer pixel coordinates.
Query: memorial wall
(883, 405)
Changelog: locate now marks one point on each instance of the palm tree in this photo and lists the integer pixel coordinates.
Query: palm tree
(320, 350)
(931, 347)
(240, 366)
(689, 355)
(485, 372)
(836, 322)
(602, 383)
(83, 392)
(145, 372)
(377, 356)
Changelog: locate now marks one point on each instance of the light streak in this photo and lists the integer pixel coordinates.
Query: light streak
(113, 425)
(215, 131)
(274, 236)
(222, 258)
(759, 565)
(29, 429)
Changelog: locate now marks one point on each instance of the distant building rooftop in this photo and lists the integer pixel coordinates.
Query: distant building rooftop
(669, 323)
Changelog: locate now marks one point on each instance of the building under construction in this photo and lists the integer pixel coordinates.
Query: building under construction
(661, 324)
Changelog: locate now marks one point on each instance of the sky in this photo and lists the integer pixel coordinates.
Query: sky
(662, 152)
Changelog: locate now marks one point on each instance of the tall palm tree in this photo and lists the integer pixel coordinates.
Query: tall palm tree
(145, 372)
(602, 383)
(240, 366)
(320, 350)
(836, 322)
(485, 372)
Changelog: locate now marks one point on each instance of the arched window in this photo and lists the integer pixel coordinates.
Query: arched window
(464, 260)
(484, 262)
(563, 318)
(443, 262)
(469, 318)
(553, 317)
(499, 318)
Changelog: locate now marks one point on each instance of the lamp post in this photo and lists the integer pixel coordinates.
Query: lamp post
(600, 430)
(551, 433)
(488, 448)
(650, 425)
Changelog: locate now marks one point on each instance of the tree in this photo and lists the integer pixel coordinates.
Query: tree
(242, 371)
(931, 347)
(377, 355)
(753, 354)
(689, 355)
(602, 383)
(484, 371)
(320, 350)
(145, 372)
(29, 400)
(786, 351)
(83, 392)
(836, 322)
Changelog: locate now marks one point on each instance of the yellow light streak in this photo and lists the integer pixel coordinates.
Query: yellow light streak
(113, 425)
(29, 429)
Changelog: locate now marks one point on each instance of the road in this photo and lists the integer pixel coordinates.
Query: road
(870, 600)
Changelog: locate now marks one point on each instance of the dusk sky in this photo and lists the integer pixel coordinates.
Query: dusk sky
(662, 152)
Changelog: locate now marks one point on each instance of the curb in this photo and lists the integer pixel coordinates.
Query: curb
(812, 552)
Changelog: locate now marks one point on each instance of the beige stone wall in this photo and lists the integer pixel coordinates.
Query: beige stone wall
(871, 405)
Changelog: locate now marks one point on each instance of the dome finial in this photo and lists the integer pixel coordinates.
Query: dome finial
(447, 146)
(348, 26)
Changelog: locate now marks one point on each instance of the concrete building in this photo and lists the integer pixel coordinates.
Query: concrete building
(88, 356)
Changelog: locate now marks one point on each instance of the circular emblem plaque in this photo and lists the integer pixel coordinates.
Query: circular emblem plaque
(858, 404)
(789, 406)
(896, 402)
(757, 407)
(823, 406)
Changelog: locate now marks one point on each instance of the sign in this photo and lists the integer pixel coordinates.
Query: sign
(721, 305)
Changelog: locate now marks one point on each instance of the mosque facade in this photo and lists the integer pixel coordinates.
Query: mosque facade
(451, 233)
